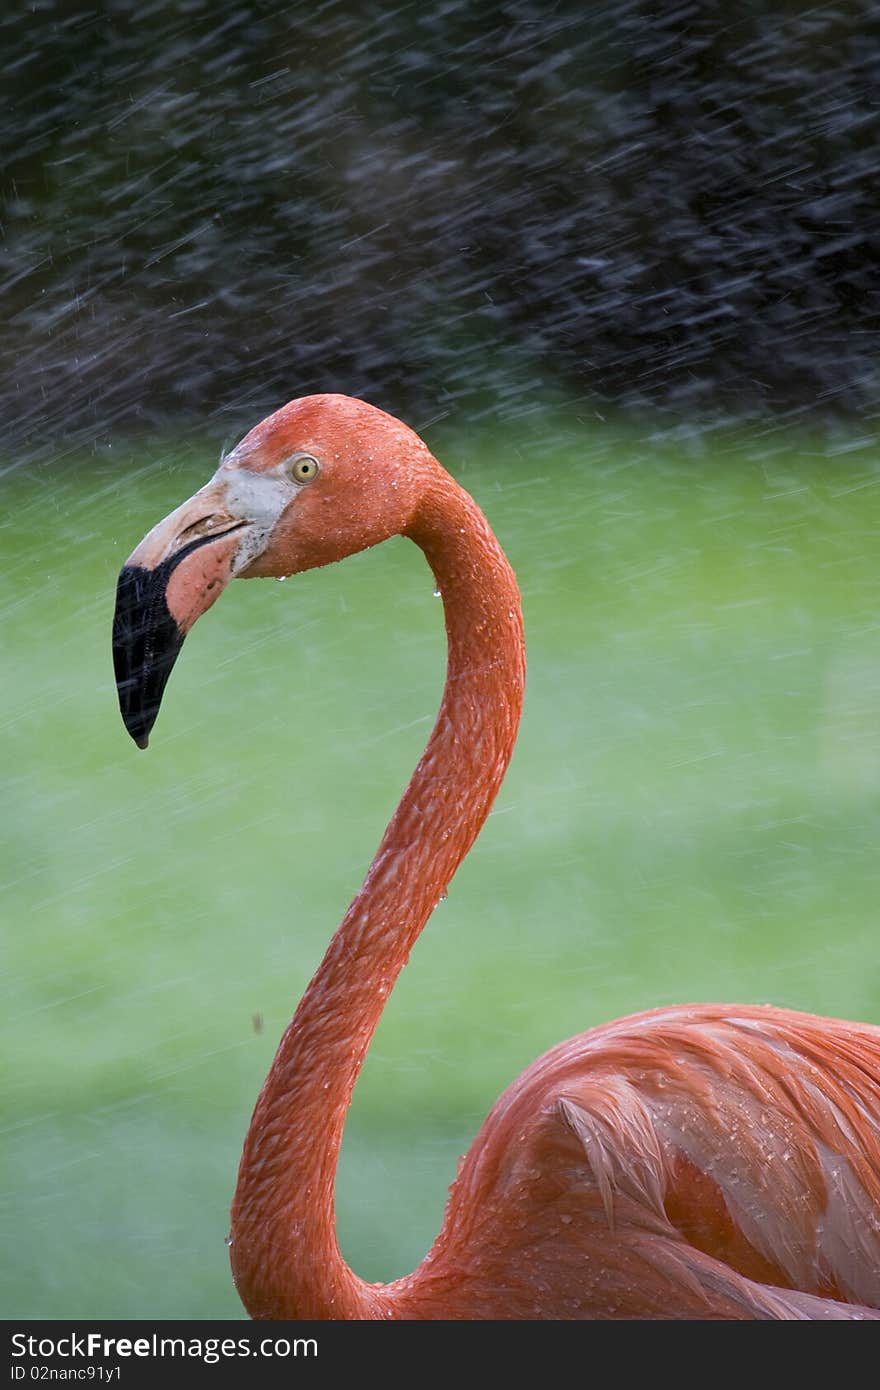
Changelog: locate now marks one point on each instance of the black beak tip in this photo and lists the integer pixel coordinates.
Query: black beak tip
(146, 643)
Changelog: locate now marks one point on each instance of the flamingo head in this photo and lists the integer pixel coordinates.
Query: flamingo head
(322, 478)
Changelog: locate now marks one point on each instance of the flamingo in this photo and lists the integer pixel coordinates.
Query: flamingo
(702, 1161)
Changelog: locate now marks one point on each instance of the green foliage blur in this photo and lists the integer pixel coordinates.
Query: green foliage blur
(692, 814)
(654, 205)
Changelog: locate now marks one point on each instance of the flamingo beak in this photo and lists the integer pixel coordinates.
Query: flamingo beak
(179, 569)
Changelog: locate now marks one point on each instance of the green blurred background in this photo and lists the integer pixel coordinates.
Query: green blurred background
(692, 814)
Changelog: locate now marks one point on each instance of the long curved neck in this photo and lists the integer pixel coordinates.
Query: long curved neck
(285, 1257)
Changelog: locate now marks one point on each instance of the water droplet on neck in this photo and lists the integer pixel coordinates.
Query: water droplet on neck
(281, 578)
(437, 593)
(227, 1240)
(443, 896)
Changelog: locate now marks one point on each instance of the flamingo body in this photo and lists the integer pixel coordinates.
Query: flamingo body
(683, 1162)
(707, 1161)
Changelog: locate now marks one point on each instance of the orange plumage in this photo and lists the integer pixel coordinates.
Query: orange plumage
(705, 1161)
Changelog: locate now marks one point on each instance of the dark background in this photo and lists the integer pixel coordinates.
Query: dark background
(452, 209)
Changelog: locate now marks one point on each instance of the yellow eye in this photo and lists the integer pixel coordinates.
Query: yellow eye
(303, 468)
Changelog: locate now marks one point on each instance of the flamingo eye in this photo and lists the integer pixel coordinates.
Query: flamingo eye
(303, 468)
